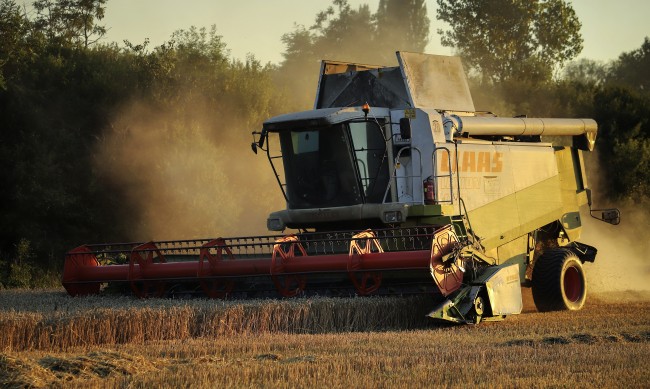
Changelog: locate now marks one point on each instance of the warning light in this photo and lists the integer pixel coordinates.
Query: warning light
(365, 108)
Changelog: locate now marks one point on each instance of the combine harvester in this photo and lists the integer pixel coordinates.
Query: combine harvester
(394, 184)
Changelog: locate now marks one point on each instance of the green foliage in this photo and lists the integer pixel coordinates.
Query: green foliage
(632, 69)
(18, 44)
(585, 71)
(54, 109)
(511, 39)
(20, 276)
(70, 22)
(620, 103)
(24, 271)
(623, 116)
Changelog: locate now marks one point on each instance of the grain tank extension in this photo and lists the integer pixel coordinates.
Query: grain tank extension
(394, 184)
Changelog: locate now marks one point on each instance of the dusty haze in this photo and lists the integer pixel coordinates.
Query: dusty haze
(189, 176)
(622, 262)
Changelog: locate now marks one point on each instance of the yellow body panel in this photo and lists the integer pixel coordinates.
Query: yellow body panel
(512, 189)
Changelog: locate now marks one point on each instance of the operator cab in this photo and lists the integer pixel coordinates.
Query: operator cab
(344, 164)
(332, 159)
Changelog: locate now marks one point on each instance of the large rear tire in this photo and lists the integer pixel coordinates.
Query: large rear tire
(559, 282)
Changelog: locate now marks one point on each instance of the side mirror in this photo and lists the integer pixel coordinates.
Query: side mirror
(260, 142)
(405, 128)
(609, 215)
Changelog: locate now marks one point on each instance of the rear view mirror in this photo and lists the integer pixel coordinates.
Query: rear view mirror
(610, 215)
(405, 128)
(260, 142)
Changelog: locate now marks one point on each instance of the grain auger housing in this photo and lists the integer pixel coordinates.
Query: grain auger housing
(394, 184)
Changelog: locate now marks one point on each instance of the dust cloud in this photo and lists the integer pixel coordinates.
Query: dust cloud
(623, 260)
(186, 175)
(622, 263)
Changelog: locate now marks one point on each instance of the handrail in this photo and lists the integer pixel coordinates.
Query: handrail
(436, 176)
(412, 176)
(365, 179)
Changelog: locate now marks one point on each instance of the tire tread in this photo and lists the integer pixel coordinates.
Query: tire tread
(547, 275)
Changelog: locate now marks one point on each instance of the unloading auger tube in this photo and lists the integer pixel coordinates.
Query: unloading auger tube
(500, 126)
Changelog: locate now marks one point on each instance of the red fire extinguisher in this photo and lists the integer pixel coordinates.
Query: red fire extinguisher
(429, 192)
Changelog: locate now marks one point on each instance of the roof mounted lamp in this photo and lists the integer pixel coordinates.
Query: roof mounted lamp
(366, 109)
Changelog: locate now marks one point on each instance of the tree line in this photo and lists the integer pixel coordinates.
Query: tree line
(102, 141)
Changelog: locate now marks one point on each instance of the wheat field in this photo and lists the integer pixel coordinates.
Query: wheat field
(48, 339)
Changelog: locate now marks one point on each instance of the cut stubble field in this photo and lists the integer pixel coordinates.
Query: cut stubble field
(48, 339)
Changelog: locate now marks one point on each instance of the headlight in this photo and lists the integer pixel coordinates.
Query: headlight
(274, 224)
(392, 217)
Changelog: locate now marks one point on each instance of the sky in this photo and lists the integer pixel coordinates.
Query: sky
(256, 26)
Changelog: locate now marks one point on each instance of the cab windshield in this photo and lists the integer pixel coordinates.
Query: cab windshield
(345, 164)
